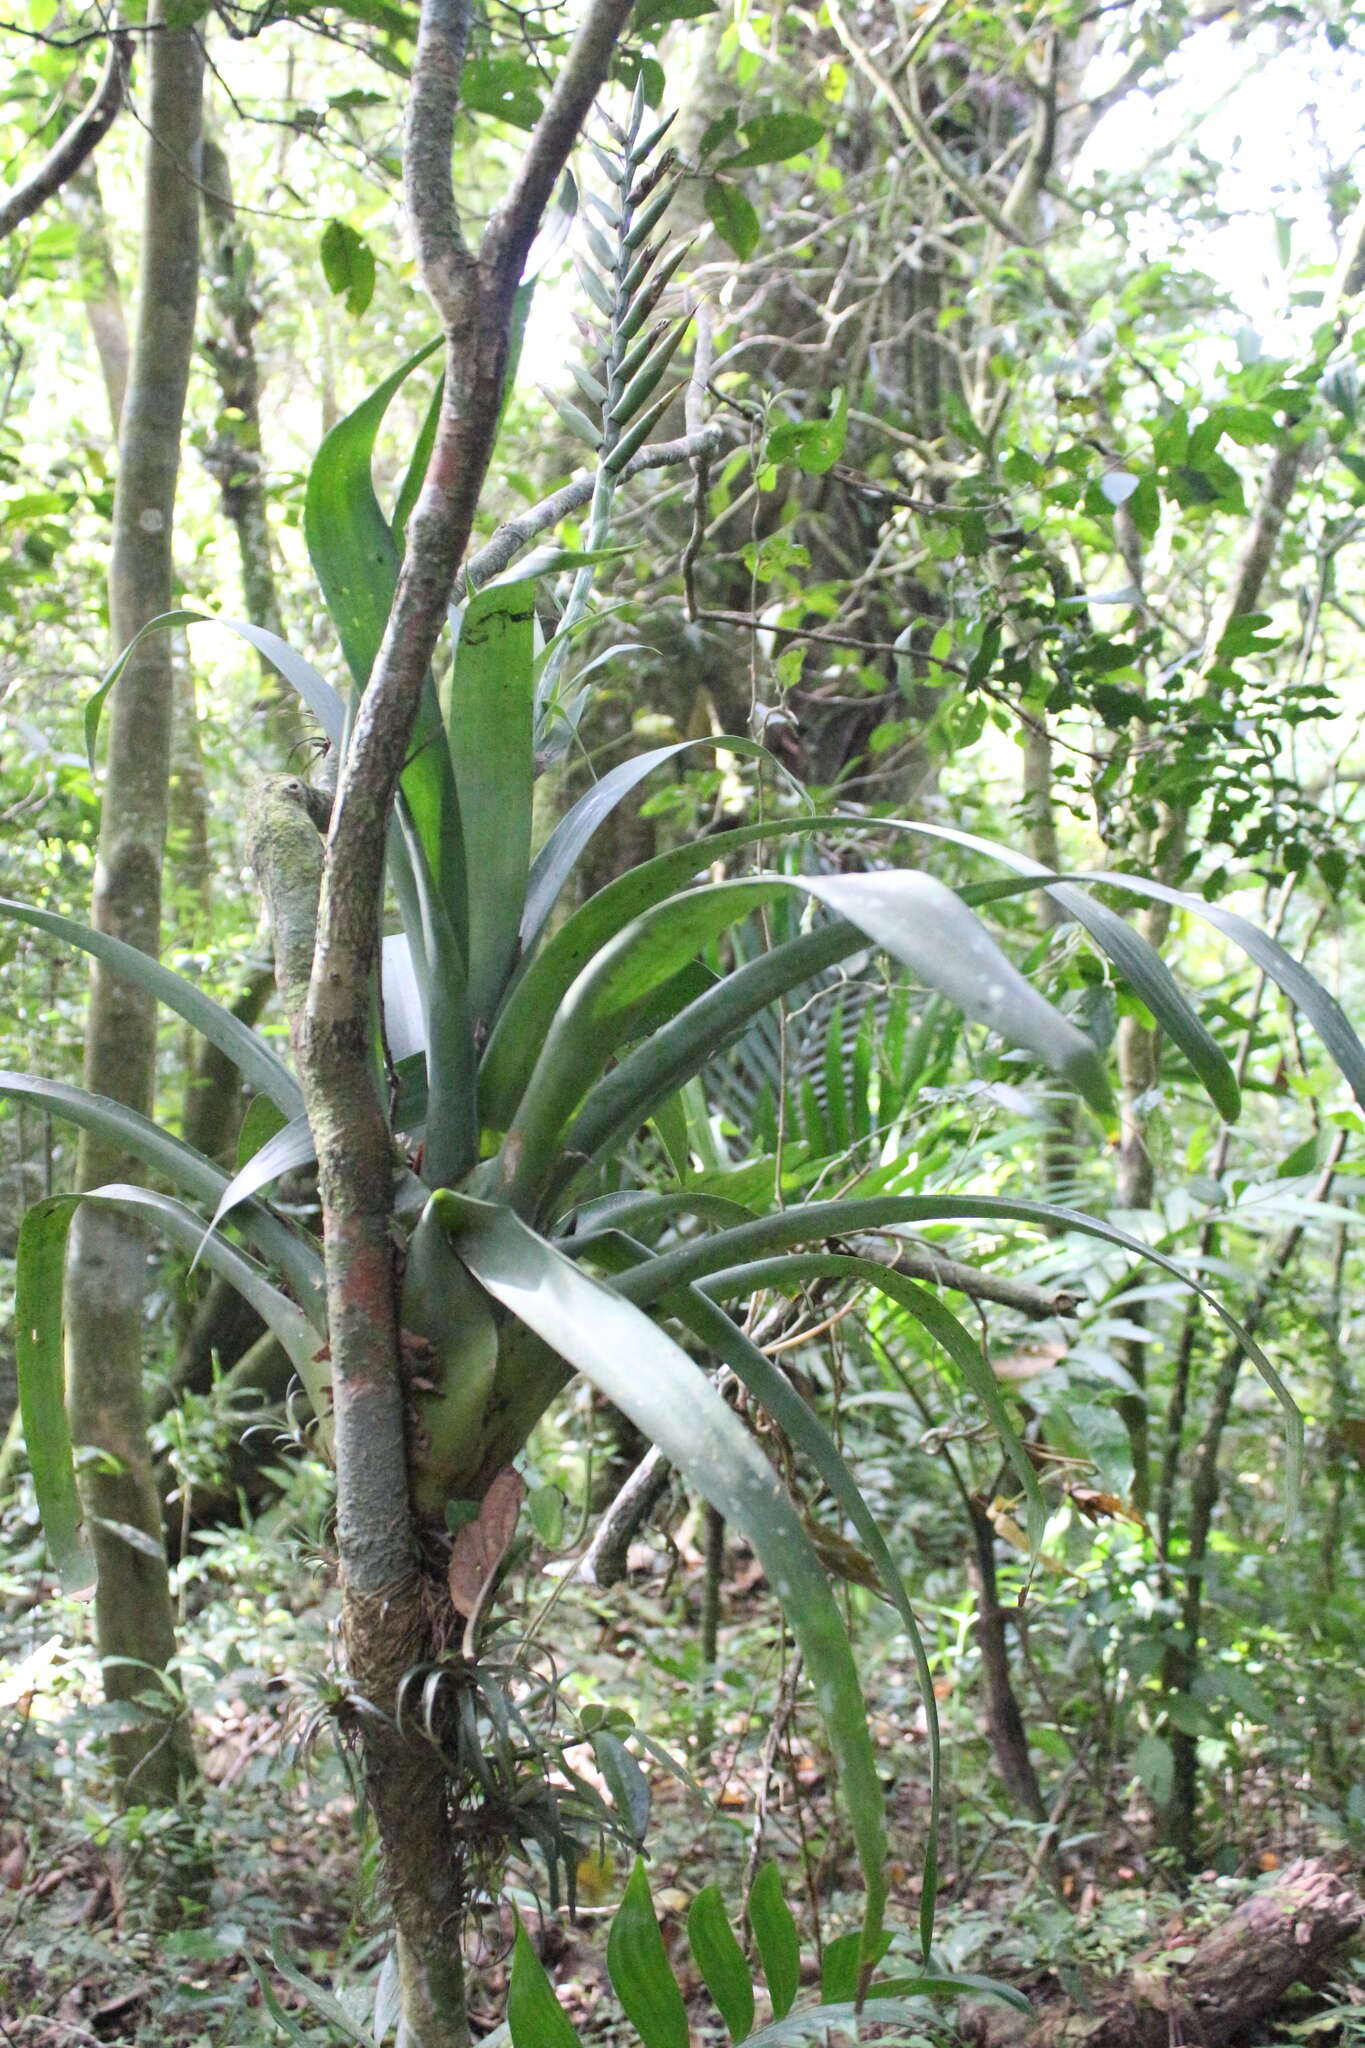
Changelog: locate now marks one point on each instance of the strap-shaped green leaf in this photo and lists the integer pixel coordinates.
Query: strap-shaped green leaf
(814, 1221)
(720, 1959)
(544, 979)
(38, 1321)
(1144, 968)
(641, 1974)
(559, 856)
(246, 1049)
(779, 1945)
(297, 1261)
(535, 2017)
(321, 699)
(915, 918)
(488, 711)
(795, 1269)
(650, 1073)
(639, 1368)
(40, 1259)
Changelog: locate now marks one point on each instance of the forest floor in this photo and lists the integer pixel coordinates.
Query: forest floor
(87, 1956)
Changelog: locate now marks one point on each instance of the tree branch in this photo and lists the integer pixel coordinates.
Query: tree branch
(76, 143)
(514, 534)
(473, 297)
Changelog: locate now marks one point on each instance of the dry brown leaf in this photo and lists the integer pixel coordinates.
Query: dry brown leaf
(482, 1544)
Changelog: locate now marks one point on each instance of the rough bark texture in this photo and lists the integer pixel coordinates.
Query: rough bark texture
(1238, 1973)
(387, 1605)
(108, 1266)
(233, 457)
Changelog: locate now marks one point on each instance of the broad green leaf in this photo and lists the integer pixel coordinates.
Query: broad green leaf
(183, 1227)
(813, 445)
(537, 991)
(773, 139)
(779, 1945)
(40, 1261)
(645, 1374)
(488, 710)
(1155, 1767)
(349, 541)
(348, 265)
(246, 1049)
(505, 86)
(535, 2017)
(626, 1782)
(840, 1967)
(640, 1972)
(295, 1258)
(732, 216)
(261, 1121)
(648, 1075)
(721, 1961)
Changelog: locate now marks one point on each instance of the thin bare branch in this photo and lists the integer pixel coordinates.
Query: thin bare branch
(75, 144)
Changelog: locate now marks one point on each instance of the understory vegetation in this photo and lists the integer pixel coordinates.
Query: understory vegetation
(682, 1076)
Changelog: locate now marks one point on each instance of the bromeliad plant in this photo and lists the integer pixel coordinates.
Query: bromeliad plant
(478, 1249)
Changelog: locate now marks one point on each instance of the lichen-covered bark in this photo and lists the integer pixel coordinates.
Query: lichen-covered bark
(107, 1271)
(233, 457)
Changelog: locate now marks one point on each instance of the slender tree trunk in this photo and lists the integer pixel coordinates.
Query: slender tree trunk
(134, 1618)
(234, 455)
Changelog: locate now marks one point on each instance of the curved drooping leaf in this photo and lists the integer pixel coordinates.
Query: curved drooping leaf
(1325, 1014)
(545, 977)
(650, 1073)
(39, 1266)
(695, 1310)
(812, 1221)
(297, 1261)
(40, 1262)
(559, 856)
(644, 1373)
(953, 1339)
(247, 1050)
(288, 1148)
(915, 918)
(318, 694)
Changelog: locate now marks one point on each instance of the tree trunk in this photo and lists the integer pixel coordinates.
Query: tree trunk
(1237, 1975)
(233, 457)
(134, 1619)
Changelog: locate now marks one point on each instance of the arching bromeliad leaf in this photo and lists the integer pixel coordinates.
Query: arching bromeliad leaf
(298, 1262)
(318, 694)
(644, 1373)
(246, 1049)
